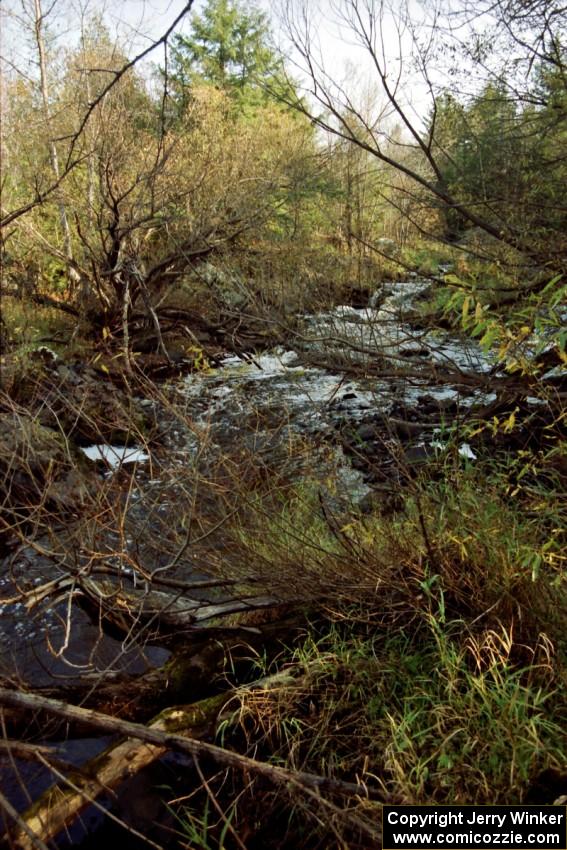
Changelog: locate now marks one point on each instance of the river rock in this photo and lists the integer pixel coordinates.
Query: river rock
(77, 400)
(38, 465)
(420, 351)
(367, 433)
(418, 454)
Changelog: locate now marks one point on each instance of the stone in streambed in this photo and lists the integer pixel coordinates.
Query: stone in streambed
(414, 352)
(367, 433)
(81, 403)
(418, 454)
(37, 464)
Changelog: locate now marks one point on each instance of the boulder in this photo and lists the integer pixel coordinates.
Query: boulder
(79, 402)
(38, 466)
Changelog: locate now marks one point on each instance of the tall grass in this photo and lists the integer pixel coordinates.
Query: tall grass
(434, 668)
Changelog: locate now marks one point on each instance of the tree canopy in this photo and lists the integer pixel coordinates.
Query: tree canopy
(229, 46)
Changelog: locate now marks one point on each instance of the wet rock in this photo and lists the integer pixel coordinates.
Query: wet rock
(404, 413)
(359, 463)
(38, 465)
(361, 298)
(370, 503)
(418, 454)
(423, 294)
(367, 433)
(419, 320)
(68, 375)
(44, 355)
(384, 502)
(429, 406)
(377, 298)
(341, 405)
(414, 352)
(81, 403)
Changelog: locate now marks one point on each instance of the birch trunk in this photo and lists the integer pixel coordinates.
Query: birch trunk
(53, 155)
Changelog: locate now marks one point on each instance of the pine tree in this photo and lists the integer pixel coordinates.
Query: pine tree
(229, 47)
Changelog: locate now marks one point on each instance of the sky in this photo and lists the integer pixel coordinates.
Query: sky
(136, 23)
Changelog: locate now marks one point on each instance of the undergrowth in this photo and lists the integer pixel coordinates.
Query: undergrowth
(434, 671)
(436, 716)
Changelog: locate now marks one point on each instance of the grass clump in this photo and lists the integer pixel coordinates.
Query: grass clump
(434, 669)
(494, 556)
(491, 548)
(429, 715)
(27, 325)
(428, 258)
(438, 717)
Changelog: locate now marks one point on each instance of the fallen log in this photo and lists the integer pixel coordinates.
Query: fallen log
(196, 632)
(174, 741)
(195, 669)
(175, 728)
(164, 616)
(168, 617)
(57, 807)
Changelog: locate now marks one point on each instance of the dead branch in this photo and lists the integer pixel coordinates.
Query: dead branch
(59, 805)
(127, 758)
(122, 608)
(225, 758)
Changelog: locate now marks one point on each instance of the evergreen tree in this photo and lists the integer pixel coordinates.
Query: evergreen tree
(228, 46)
(506, 160)
(480, 150)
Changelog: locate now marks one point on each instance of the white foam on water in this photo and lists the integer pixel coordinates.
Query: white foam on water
(115, 456)
(263, 366)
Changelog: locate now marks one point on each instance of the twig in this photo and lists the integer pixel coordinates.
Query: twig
(10, 810)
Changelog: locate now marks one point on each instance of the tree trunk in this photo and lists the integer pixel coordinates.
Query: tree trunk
(53, 155)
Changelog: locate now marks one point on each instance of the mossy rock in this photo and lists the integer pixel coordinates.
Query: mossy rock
(38, 465)
(78, 401)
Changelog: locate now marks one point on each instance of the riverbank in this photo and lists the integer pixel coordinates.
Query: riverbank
(381, 491)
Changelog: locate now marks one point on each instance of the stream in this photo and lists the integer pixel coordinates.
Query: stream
(258, 406)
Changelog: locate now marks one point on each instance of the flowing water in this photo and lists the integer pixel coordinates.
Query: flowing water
(260, 404)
